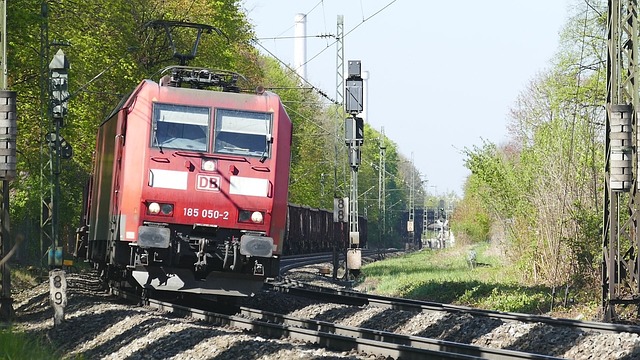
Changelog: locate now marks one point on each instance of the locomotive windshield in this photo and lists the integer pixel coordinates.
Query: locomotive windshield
(180, 127)
(243, 133)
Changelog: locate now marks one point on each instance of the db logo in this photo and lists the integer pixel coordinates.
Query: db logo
(207, 182)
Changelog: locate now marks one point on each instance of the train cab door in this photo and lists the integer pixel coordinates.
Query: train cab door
(117, 174)
(118, 251)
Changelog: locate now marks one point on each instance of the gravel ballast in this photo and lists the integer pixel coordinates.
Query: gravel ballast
(98, 325)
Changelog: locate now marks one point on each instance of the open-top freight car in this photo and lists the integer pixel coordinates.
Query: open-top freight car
(311, 230)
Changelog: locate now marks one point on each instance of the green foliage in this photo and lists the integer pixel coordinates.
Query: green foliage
(545, 184)
(497, 180)
(470, 222)
(512, 298)
(587, 252)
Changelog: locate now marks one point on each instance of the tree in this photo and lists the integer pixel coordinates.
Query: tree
(546, 182)
(110, 52)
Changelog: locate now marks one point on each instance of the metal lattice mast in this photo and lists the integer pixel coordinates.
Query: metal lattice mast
(7, 108)
(621, 270)
(46, 223)
(340, 61)
(339, 95)
(410, 222)
(382, 196)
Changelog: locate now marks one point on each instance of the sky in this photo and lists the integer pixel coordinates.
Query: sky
(442, 74)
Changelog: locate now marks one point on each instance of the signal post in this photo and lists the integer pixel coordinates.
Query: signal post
(59, 149)
(354, 138)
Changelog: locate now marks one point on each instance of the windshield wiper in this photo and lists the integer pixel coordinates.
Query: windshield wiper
(268, 140)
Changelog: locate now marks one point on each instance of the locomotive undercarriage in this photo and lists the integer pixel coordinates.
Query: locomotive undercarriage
(202, 260)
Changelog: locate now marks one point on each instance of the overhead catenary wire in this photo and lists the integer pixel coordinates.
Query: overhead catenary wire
(305, 81)
(350, 31)
(322, 93)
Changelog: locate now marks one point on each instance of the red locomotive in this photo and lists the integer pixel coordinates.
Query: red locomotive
(190, 184)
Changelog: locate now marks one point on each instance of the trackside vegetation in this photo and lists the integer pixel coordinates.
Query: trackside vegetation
(446, 276)
(538, 193)
(20, 346)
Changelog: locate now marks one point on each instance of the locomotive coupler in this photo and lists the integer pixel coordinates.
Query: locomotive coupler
(201, 255)
(231, 247)
(236, 251)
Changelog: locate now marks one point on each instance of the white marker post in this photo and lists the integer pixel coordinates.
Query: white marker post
(58, 293)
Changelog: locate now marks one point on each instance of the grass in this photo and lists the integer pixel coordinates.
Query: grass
(445, 276)
(24, 278)
(18, 346)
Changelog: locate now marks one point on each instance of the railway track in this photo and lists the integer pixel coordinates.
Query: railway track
(291, 262)
(367, 338)
(336, 337)
(348, 297)
(99, 326)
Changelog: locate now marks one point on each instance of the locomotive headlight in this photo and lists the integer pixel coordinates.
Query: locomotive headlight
(153, 208)
(257, 217)
(208, 165)
(167, 209)
(247, 216)
(163, 209)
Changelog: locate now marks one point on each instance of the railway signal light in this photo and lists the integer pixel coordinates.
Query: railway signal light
(66, 151)
(354, 130)
(354, 157)
(341, 209)
(354, 90)
(59, 86)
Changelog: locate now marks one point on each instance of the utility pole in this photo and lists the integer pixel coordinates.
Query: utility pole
(8, 132)
(54, 96)
(49, 169)
(340, 60)
(46, 227)
(620, 245)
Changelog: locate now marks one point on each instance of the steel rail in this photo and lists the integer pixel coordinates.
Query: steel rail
(295, 261)
(356, 298)
(413, 342)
